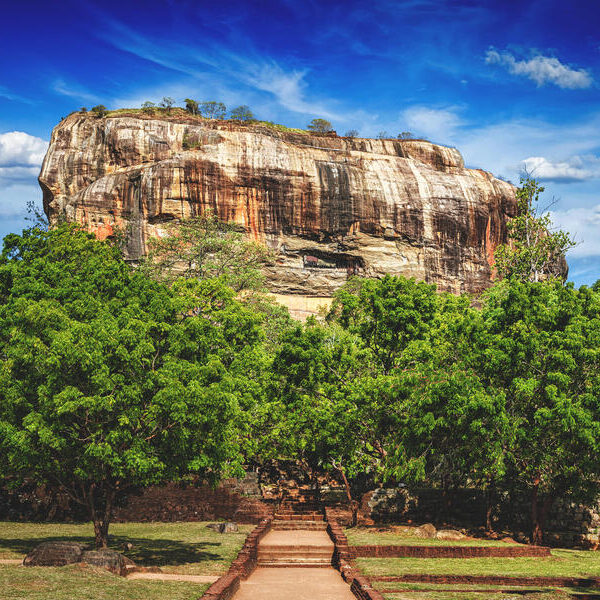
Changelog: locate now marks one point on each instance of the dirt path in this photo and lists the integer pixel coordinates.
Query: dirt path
(294, 584)
(295, 565)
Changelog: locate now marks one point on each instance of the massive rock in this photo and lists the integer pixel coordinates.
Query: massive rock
(328, 206)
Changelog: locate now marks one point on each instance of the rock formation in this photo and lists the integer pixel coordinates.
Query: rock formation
(329, 207)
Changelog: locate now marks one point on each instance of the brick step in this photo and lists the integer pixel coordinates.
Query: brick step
(302, 525)
(295, 563)
(295, 551)
(298, 517)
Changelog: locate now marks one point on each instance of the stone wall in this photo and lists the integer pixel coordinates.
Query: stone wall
(568, 524)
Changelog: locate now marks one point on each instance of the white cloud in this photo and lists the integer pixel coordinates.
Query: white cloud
(541, 69)
(19, 149)
(583, 224)
(14, 198)
(439, 125)
(575, 168)
(21, 156)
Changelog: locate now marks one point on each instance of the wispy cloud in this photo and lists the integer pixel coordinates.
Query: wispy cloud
(73, 91)
(288, 86)
(541, 69)
(583, 223)
(9, 95)
(436, 124)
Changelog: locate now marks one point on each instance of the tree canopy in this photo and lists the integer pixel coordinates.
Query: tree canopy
(109, 379)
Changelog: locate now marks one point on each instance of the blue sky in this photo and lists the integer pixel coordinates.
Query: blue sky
(510, 83)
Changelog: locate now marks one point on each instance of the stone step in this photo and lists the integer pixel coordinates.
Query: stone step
(302, 525)
(310, 563)
(295, 552)
(289, 516)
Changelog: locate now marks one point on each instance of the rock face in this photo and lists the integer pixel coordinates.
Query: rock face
(329, 207)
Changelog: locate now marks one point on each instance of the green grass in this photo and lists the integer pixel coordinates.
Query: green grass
(366, 536)
(547, 595)
(562, 563)
(188, 548)
(79, 583)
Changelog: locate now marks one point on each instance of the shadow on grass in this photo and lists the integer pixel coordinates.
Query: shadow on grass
(145, 552)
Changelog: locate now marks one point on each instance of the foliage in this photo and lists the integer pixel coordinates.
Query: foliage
(351, 133)
(100, 110)
(540, 346)
(319, 126)
(148, 107)
(167, 103)
(383, 135)
(213, 110)
(405, 135)
(204, 247)
(191, 106)
(189, 143)
(83, 109)
(109, 380)
(241, 113)
(533, 251)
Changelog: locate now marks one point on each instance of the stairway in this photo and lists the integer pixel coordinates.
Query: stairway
(298, 537)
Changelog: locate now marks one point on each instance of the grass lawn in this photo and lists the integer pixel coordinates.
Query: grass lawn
(188, 548)
(562, 563)
(445, 595)
(367, 536)
(79, 583)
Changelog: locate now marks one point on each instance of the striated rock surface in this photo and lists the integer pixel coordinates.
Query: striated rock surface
(329, 207)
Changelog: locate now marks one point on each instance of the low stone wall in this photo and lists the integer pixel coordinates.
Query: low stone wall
(176, 502)
(241, 568)
(448, 551)
(359, 585)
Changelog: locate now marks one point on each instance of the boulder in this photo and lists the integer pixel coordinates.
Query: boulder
(59, 554)
(449, 534)
(55, 554)
(223, 527)
(425, 531)
(111, 560)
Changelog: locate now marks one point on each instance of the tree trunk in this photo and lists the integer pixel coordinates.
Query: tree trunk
(101, 534)
(354, 506)
(489, 506)
(538, 514)
(101, 520)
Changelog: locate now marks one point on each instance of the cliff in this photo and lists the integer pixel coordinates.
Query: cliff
(328, 206)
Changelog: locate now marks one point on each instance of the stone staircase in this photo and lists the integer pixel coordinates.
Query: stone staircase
(298, 536)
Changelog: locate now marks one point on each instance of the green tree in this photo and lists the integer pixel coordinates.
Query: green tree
(109, 380)
(386, 313)
(405, 135)
(540, 348)
(213, 110)
(319, 126)
(534, 250)
(167, 103)
(148, 107)
(205, 247)
(191, 106)
(325, 412)
(241, 113)
(100, 111)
